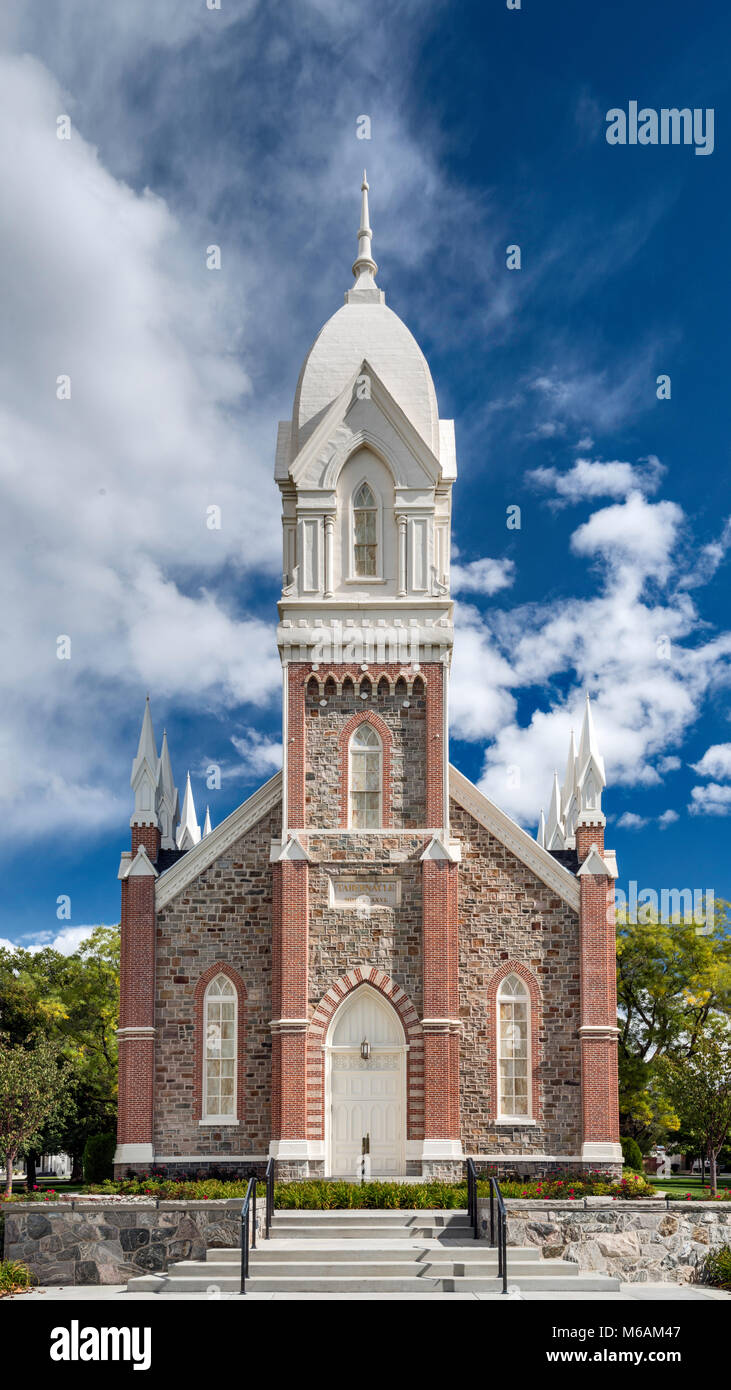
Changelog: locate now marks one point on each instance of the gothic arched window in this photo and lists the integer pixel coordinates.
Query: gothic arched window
(219, 1060)
(365, 533)
(513, 1049)
(365, 780)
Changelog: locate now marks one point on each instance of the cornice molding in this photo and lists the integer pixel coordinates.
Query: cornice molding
(517, 840)
(208, 850)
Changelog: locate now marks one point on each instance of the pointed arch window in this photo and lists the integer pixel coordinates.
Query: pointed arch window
(220, 1023)
(514, 1049)
(365, 532)
(366, 779)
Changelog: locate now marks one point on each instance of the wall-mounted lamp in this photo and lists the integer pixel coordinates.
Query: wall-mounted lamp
(365, 1050)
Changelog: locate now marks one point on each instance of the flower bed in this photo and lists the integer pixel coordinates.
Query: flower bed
(324, 1196)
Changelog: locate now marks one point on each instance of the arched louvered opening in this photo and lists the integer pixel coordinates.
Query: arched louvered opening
(366, 688)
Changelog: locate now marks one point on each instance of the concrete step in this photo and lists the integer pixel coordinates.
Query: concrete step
(351, 1231)
(382, 1217)
(454, 1269)
(380, 1284)
(278, 1252)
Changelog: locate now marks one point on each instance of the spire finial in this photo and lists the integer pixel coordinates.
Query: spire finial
(364, 266)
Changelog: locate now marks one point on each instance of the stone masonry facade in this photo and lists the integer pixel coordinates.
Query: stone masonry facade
(223, 919)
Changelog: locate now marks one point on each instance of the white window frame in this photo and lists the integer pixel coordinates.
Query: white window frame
(501, 997)
(378, 577)
(206, 1118)
(381, 753)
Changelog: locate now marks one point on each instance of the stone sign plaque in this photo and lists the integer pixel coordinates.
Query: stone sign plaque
(364, 894)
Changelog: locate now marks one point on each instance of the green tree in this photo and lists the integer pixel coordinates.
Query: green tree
(671, 980)
(34, 1083)
(700, 1089)
(75, 1001)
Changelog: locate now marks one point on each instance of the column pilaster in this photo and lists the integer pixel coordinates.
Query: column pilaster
(598, 1030)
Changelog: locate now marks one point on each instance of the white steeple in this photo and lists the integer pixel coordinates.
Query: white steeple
(364, 266)
(207, 827)
(168, 804)
(591, 777)
(554, 833)
(189, 832)
(541, 831)
(144, 774)
(569, 794)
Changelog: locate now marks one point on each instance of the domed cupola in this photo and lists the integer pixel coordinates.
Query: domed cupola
(365, 328)
(365, 467)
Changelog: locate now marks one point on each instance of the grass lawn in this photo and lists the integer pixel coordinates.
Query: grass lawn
(678, 1186)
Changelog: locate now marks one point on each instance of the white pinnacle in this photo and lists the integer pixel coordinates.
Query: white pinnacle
(207, 827)
(146, 750)
(541, 832)
(364, 266)
(554, 825)
(189, 832)
(168, 804)
(589, 746)
(569, 781)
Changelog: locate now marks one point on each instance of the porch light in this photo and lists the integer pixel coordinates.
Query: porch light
(365, 1050)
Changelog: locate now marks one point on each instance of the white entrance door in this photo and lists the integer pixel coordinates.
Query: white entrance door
(366, 1098)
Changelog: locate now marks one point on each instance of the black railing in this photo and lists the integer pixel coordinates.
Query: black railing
(498, 1228)
(248, 1217)
(248, 1211)
(269, 1179)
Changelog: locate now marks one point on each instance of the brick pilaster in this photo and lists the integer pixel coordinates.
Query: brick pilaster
(440, 964)
(289, 1000)
(137, 1008)
(598, 1025)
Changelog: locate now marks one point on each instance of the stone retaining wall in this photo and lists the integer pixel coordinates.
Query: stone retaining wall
(88, 1242)
(639, 1242)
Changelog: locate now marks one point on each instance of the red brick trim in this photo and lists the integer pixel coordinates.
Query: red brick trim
(220, 968)
(319, 1025)
(386, 737)
(516, 967)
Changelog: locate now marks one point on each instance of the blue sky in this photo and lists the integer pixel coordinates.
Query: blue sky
(238, 127)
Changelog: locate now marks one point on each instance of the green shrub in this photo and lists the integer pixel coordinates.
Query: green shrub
(321, 1195)
(716, 1268)
(98, 1157)
(14, 1277)
(631, 1153)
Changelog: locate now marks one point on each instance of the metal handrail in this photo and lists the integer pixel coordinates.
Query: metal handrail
(499, 1229)
(269, 1214)
(249, 1205)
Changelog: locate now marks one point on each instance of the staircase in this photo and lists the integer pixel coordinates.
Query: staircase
(380, 1252)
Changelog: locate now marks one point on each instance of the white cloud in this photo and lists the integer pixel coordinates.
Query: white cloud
(484, 576)
(633, 533)
(668, 817)
(670, 763)
(66, 941)
(631, 821)
(716, 762)
(588, 479)
(711, 800)
(260, 756)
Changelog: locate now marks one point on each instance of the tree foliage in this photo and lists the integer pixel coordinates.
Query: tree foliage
(699, 1086)
(72, 1001)
(34, 1093)
(673, 980)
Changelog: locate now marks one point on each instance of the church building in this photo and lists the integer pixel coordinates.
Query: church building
(368, 965)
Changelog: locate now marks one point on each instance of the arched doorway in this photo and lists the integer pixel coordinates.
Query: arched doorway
(365, 1096)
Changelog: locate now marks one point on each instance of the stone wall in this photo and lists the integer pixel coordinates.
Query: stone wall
(223, 917)
(640, 1242)
(92, 1242)
(407, 727)
(507, 914)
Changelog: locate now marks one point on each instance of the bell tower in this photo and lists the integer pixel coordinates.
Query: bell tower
(365, 468)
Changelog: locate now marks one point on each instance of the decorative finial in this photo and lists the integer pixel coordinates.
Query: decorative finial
(364, 266)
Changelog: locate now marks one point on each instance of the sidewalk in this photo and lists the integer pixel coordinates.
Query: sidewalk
(628, 1293)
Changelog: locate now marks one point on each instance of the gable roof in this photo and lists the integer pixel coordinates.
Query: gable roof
(212, 846)
(173, 880)
(517, 840)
